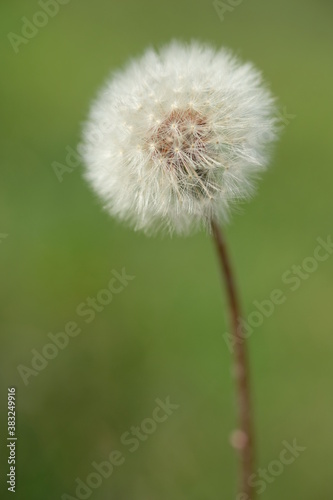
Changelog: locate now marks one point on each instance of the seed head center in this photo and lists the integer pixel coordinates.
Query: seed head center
(180, 139)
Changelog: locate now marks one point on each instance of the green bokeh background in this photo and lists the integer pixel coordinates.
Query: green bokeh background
(163, 335)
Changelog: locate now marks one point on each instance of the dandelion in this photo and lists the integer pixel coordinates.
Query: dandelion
(177, 137)
(172, 142)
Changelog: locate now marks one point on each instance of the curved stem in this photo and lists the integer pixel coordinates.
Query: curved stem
(243, 439)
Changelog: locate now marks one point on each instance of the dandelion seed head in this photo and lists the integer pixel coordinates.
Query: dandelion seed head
(188, 130)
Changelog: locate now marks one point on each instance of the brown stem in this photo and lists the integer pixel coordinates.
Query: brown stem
(243, 437)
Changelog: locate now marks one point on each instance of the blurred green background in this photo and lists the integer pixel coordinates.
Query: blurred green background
(163, 335)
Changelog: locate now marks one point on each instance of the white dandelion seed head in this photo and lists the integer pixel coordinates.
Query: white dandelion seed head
(178, 136)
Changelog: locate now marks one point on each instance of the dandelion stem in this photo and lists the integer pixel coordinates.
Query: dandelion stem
(242, 438)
